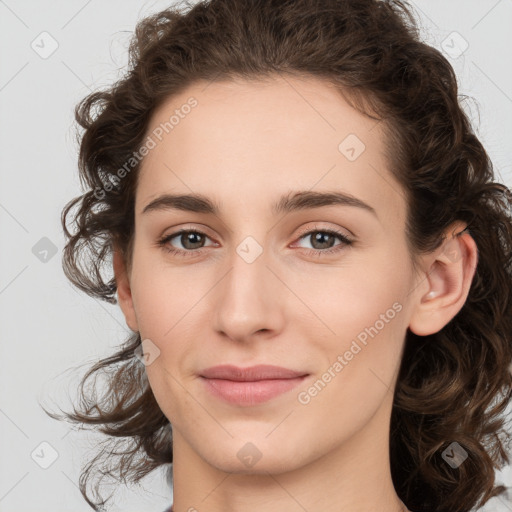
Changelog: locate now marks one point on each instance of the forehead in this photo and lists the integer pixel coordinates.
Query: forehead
(250, 142)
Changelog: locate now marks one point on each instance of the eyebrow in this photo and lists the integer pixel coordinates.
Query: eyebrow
(293, 201)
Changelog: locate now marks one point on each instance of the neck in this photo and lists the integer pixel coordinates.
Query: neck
(352, 477)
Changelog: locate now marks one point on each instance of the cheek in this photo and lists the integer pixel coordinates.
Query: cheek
(357, 325)
(171, 306)
(162, 295)
(358, 359)
(367, 293)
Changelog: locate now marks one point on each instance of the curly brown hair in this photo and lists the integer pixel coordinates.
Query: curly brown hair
(454, 385)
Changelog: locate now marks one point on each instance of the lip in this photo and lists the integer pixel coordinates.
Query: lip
(252, 385)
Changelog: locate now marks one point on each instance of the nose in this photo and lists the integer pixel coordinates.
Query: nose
(250, 299)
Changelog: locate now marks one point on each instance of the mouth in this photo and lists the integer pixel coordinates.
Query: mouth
(250, 386)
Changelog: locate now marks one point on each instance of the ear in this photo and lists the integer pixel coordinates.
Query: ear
(124, 293)
(446, 281)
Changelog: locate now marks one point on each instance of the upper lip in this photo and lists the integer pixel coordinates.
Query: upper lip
(252, 373)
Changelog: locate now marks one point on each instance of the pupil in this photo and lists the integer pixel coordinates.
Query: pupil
(190, 238)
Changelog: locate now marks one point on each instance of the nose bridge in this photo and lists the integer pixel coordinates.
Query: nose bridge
(247, 301)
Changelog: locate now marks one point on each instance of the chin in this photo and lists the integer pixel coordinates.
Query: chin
(254, 455)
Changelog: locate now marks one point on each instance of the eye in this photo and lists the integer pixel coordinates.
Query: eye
(190, 239)
(322, 239)
(192, 242)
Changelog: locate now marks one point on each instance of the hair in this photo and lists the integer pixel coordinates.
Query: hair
(454, 385)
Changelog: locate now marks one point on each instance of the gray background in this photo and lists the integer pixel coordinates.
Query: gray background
(48, 328)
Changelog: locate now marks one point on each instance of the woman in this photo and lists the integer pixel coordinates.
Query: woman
(314, 259)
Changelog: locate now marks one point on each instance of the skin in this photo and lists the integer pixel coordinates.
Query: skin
(244, 145)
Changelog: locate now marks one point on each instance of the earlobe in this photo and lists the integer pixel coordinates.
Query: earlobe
(446, 283)
(124, 293)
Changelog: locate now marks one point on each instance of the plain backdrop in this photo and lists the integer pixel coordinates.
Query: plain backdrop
(53, 54)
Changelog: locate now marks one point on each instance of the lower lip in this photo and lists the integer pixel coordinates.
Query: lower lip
(250, 392)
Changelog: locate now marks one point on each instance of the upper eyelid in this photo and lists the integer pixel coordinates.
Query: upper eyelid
(336, 230)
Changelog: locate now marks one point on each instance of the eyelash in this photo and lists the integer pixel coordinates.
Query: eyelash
(162, 242)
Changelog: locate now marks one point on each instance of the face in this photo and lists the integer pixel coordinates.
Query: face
(321, 286)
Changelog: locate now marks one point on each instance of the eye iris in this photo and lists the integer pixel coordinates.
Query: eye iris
(319, 236)
(189, 237)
